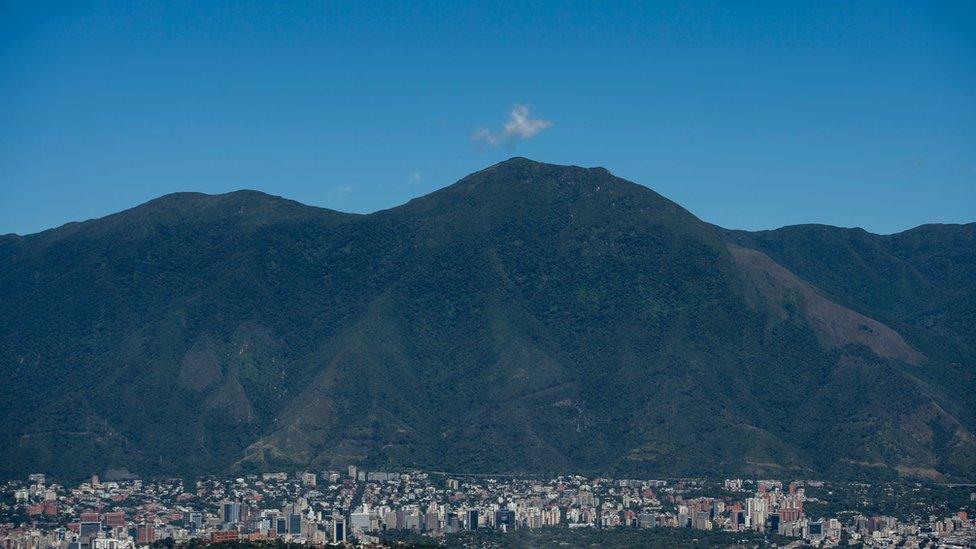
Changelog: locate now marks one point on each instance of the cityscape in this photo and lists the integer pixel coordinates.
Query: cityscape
(365, 507)
(484, 275)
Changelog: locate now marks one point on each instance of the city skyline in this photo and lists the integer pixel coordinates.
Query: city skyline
(361, 506)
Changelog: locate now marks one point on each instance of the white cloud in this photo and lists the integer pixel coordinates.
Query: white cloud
(341, 190)
(415, 177)
(520, 125)
(486, 135)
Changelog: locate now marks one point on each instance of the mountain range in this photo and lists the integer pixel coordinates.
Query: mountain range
(530, 318)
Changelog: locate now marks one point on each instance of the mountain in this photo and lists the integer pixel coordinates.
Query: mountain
(528, 318)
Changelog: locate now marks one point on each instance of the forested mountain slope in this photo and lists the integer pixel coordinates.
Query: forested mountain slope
(528, 318)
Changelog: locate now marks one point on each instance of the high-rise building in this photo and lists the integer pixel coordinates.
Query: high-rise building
(389, 520)
(87, 530)
(757, 509)
(145, 534)
(294, 524)
(700, 521)
(359, 520)
(411, 520)
(230, 512)
(472, 519)
(339, 530)
(506, 518)
(815, 531)
(451, 523)
(431, 522)
(193, 521)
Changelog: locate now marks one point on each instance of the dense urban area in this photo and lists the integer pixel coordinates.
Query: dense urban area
(423, 508)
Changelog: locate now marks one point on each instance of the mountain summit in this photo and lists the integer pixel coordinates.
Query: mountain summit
(528, 318)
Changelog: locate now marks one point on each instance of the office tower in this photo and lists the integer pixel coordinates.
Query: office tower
(339, 531)
(506, 518)
(431, 522)
(231, 512)
(87, 531)
(451, 523)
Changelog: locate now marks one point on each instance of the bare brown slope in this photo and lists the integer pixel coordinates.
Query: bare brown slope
(835, 325)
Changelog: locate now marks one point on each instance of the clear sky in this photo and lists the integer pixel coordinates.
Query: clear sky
(750, 115)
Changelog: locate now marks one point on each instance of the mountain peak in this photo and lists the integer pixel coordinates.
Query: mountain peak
(523, 163)
(523, 187)
(245, 207)
(519, 160)
(198, 200)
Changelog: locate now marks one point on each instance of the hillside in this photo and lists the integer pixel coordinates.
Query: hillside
(528, 318)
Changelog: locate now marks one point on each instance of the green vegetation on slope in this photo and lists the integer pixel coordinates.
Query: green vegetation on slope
(529, 318)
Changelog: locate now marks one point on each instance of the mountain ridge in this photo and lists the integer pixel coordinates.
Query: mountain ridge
(528, 317)
(245, 192)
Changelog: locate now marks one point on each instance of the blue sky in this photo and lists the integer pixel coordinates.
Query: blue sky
(750, 115)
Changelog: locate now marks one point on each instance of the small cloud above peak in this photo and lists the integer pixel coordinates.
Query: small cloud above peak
(520, 125)
(485, 135)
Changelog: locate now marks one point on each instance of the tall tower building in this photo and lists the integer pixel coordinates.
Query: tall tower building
(339, 530)
(230, 512)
